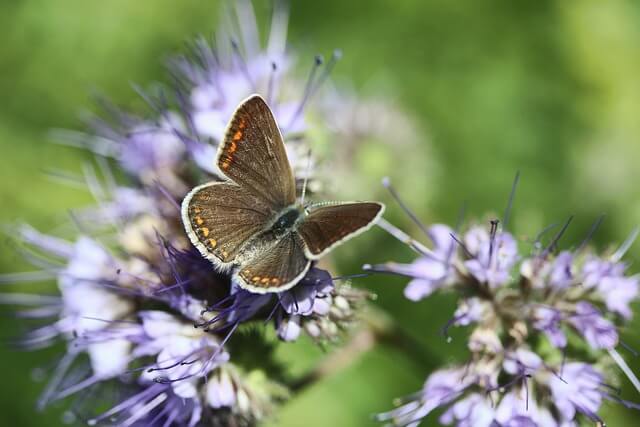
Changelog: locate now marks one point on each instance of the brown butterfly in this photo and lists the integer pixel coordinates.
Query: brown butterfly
(252, 223)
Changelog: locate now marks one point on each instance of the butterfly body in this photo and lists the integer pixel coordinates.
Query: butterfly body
(281, 227)
(252, 222)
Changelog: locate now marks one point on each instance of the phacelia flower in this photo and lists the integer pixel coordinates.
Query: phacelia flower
(131, 288)
(544, 328)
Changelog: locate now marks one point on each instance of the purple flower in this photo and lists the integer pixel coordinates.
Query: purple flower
(514, 378)
(289, 328)
(595, 269)
(561, 275)
(598, 331)
(220, 390)
(618, 293)
(130, 303)
(493, 257)
(577, 391)
(309, 295)
(155, 404)
(517, 409)
(475, 410)
(608, 278)
(433, 270)
(441, 388)
(521, 362)
(469, 311)
(149, 149)
(548, 321)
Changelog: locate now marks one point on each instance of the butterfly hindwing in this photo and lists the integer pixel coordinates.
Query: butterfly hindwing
(220, 217)
(328, 225)
(253, 154)
(276, 269)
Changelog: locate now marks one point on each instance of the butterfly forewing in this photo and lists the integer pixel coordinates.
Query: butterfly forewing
(253, 154)
(326, 226)
(276, 269)
(220, 217)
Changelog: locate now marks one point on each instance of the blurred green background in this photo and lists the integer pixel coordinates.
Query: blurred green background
(547, 88)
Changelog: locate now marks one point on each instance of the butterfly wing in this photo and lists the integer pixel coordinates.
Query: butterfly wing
(277, 269)
(328, 225)
(220, 217)
(253, 154)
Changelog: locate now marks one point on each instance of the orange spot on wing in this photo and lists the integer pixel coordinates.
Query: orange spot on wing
(264, 281)
(199, 220)
(213, 243)
(255, 279)
(237, 136)
(205, 231)
(275, 281)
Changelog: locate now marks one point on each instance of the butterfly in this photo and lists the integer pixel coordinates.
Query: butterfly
(251, 223)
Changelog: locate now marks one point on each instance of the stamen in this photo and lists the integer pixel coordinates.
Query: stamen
(183, 102)
(130, 402)
(271, 83)
(317, 62)
(552, 246)
(384, 268)
(278, 31)
(78, 386)
(492, 233)
(404, 237)
(526, 391)
(452, 249)
(590, 234)
(205, 367)
(335, 57)
(462, 245)
(444, 331)
(91, 179)
(26, 276)
(248, 27)
(386, 182)
(28, 299)
(52, 245)
(625, 403)
(512, 195)
(625, 368)
(536, 241)
(167, 195)
(273, 311)
(617, 256)
(65, 177)
(144, 410)
(295, 302)
(629, 348)
(243, 64)
(152, 103)
(59, 373)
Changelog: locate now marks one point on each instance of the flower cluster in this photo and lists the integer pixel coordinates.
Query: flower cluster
(131, 286)
(543, 327)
